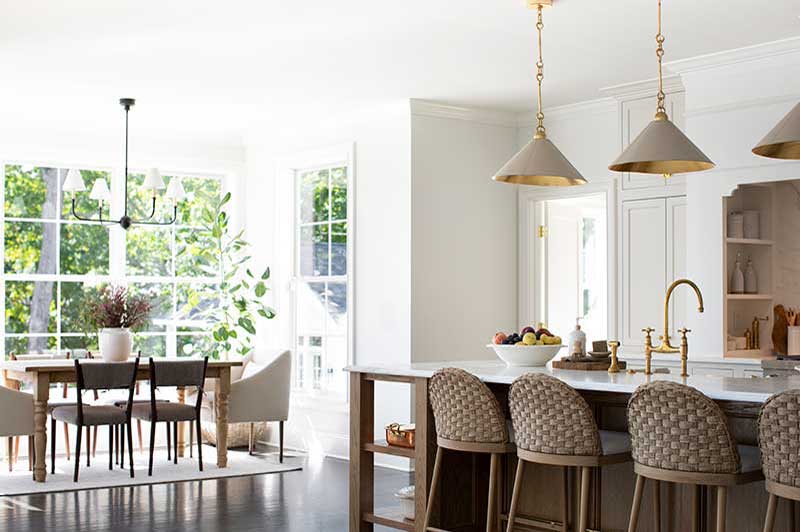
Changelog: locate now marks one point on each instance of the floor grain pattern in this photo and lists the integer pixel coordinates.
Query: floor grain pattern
(314, 499)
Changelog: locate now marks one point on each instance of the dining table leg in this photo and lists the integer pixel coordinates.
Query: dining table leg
(181, 438)
(41, 394)
(221, 402)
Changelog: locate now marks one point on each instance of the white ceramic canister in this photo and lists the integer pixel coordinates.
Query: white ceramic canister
(115, 344)
(736, 225)
(793, 340)
(752, 224)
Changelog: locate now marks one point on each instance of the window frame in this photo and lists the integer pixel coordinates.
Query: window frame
(117, 252)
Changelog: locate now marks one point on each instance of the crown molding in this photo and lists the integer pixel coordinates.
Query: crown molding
(644, 88)
(738, 55)
(491, 117)
(586, 108)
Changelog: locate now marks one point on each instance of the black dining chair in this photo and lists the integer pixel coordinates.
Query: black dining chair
(169, 373)
(98, 376)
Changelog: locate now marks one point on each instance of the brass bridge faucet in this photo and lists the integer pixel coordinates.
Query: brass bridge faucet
(665, 346)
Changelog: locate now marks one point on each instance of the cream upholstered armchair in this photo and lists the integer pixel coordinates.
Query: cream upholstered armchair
(259, 393)
(17, 418)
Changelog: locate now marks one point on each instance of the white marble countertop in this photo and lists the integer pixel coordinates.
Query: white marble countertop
(756, 390)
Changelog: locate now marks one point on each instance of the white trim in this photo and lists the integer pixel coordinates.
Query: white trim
(735, 56)
(454, 112)
(742, 104)
(582, 109)
(643, 88)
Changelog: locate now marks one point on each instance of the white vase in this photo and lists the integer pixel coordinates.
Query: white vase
(115, 344)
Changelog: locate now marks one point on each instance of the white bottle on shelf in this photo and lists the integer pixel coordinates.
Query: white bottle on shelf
(737, 279)
(576, 340)
(750, 278)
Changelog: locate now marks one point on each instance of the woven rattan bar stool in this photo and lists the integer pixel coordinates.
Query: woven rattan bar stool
(779, 439)
(679, 435)
(468, 419)
(554, 425)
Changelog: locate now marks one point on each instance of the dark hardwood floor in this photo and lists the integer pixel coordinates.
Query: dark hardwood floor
(315, 499)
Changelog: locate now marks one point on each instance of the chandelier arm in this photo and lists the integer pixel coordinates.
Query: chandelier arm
(81, 218)
(540, 131)
(169, 222)
(153, 210)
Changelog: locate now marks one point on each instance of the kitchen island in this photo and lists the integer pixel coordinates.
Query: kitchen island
(461, 504)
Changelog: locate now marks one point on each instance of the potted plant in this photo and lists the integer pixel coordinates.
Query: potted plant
(113, 312)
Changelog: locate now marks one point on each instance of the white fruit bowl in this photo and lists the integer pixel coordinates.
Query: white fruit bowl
(525, 355)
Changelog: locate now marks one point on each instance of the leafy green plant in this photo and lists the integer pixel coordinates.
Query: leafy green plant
(230, 310)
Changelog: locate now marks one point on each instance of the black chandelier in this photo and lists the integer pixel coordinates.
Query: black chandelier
(101, 193)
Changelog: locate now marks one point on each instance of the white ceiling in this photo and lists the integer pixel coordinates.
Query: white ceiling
(215, 68)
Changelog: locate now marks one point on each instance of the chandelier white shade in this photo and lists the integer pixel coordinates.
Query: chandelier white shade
(74, 181)
(100, 191)
(783, 141)
(175, 190)
(152, 180)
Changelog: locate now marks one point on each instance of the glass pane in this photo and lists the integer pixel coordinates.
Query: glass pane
(79, 344)
(31, 192)
(339, 249)
(201, 192)
(196, 254)
(311, 309)
(314, 198)
(84, 249)
(150, 345)
(30, 344)
(72, 308)
(160, 297)
(194, 302)
(336, 314)
(30, 307)
(339, 193)
(314, 250)
(149, 251)
(198, 345)
(84, 206)
(30, 247)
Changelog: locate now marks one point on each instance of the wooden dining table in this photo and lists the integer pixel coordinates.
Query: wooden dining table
(42, 373)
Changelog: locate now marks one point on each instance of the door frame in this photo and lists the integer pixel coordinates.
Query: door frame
(532, 252)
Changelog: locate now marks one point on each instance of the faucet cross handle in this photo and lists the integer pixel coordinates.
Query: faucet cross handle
(684, 330)
(648, 330)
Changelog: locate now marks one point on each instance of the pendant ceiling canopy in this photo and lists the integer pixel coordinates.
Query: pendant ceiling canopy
(539, 162)
(783, 142)
(661, 148)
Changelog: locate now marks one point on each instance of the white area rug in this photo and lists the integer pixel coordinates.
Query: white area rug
(240, 463)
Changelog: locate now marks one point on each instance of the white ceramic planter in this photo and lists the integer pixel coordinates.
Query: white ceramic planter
(115, 344)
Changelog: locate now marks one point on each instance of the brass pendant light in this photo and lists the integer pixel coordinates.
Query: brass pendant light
(539, 162)
(661, 148)
(783, 141)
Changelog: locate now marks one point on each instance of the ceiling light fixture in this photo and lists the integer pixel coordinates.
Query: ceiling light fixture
(661, 148)
(100, 192)
(783, 141)
(539, 162)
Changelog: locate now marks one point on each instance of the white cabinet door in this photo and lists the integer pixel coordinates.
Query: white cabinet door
(683, 299)
(636, 114)
(644, 267)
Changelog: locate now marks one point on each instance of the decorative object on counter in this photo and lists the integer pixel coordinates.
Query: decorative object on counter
(113, 312)
(756, 332)
(750, 278)
(736, 225)
(752, 229)
(748, 336)
(576, 341)
(737, 277)
(615, 363)
(783, 141)
(737, 343)
(599, 350)
(586, 364)
(539, 162)
(406, 498)
(661, 148)
(780, 332)
(400, 435)
(793, 340)
(665, 346)
(529, 347)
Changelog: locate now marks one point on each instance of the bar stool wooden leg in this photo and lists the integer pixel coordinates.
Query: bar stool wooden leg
(637, 503)
(565, 499)
(584, 517)
(769, 521)
(437, 464)
(696, 508)
(491, 509)
(512, 511)
(656, 506)
(722, 499)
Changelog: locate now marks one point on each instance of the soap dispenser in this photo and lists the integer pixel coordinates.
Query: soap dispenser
(750, 278)
(576, 340)
(737, 278)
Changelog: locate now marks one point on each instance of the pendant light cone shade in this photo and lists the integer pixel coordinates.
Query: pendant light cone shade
(540, 163)
(74, 181)
(175, 190)
(100, 191)
(661, 148)
(783, 142)
(152, 180)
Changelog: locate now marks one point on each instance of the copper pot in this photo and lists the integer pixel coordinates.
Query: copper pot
(400, 435)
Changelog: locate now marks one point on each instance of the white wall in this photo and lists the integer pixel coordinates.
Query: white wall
(464, 236)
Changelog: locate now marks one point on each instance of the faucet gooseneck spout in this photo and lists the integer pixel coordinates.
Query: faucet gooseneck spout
(665, 336)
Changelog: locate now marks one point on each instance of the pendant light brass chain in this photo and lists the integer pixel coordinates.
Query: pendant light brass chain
(660, 54)
(540, 132)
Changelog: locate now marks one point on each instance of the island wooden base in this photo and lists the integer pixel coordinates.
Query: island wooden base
(461, 503)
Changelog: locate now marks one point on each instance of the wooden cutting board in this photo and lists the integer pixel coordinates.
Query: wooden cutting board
(592, 365)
